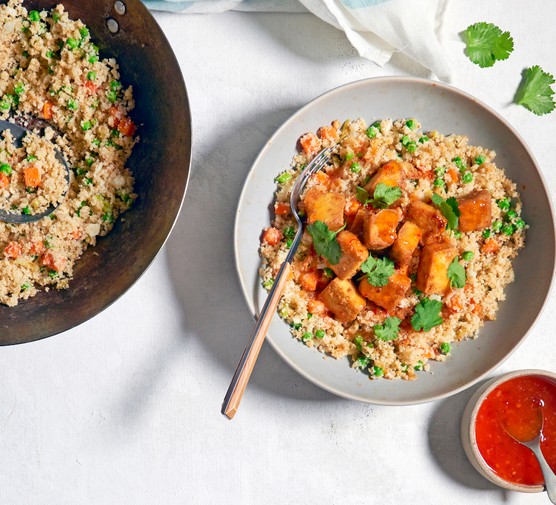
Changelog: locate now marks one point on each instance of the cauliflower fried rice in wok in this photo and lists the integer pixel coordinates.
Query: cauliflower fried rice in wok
(51, 69)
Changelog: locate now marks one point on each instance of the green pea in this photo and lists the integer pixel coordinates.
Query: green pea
(112, 96)
(519, 224)
(467, 255)
(86, 125)
(34, 16)
(411, 147)
(307, 336)
(355, 167)
(503, 203)
(84, 32)
(410, 124)
(72, 43)
(467, 177)
(487, 233)
(93, 58)
(508, 229)
(511, 214)
(349, 156)
(479, 160)
(445, 348)
(497, 226)
(19, 88)
(5, 168)
(378, 371)
(423, 139)
(320, 334)
(26, 211)
(439, 183)
(91, 76)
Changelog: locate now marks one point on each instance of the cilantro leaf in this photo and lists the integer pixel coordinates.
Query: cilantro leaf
(456, 274)
(449, 209)
(377, 270)
(388, 330)
(485, 44)
(534, 91)
(427, 315)
(325, 241)
(383, 195)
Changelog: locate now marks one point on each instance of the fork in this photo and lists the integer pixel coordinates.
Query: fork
(251, 352)
(535, 445)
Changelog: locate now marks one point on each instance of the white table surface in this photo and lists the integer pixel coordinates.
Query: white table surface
(125, 409)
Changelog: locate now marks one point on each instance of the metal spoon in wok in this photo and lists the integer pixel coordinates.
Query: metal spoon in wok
(18, 132)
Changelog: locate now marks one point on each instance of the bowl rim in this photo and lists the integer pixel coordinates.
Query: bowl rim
(251, 301)
(469, 424)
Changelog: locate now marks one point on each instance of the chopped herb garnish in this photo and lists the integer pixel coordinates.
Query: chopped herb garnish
(377, 270)
(388, 330)
(535, 92)
(325, 241)
(427, 315)
(289, 232)
(486, 44)
(449, 209)
(383, 195)
(456, 274)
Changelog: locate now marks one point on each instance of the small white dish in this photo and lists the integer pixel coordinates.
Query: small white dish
(437, 107)
(468, 428)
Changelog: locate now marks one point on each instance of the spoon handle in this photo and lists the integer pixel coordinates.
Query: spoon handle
(548, 474)
(249, 357)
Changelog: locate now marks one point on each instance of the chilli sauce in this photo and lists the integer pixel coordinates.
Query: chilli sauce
(515, 404)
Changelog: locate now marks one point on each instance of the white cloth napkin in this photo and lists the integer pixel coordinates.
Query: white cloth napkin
(376, 28)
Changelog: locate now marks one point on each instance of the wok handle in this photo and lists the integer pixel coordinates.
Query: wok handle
(251, 352)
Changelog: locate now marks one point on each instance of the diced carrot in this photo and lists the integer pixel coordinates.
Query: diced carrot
(316, 307)
(115, 117)
(323, 178)
(47, 110)
(91, 88)
(37, 248)
(272, 236)
(126, 127)
(49, 261)
(453, 173)
(12, 250)
(310, 143)
(282, 208)
(328, 133)
(4, 181)
(309, 280)
(32, 176)
(490, 246)
(76, 234)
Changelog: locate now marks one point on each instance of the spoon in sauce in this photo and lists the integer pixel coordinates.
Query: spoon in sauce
(535, 445)
(18, 132)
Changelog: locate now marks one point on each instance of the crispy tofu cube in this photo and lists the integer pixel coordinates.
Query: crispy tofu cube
(359, 221)
(405, 244)
(475, 211)
(353, 254)
(430, 220)
(326, 207)
(342, 299)
(432, 273)
(389, 296)
(379, 228)
(390, 173)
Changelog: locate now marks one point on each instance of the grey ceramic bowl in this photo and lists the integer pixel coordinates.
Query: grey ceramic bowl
(468, 425)
(448, 110)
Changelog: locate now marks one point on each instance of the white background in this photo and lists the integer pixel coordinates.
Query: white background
(125, 409)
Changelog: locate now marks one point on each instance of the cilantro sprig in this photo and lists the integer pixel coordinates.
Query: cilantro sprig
(383, 195)
(456, 274)
(427, 315)
(325, 241)
(377, 270)
(485, 44)
(535, 92)
(388, 330)
(449, 208)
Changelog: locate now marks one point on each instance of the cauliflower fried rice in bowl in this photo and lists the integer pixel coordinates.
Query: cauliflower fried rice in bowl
(64, 69)
(420, 333)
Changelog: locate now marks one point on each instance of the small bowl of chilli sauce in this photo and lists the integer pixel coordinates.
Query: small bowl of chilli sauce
(511, 403)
